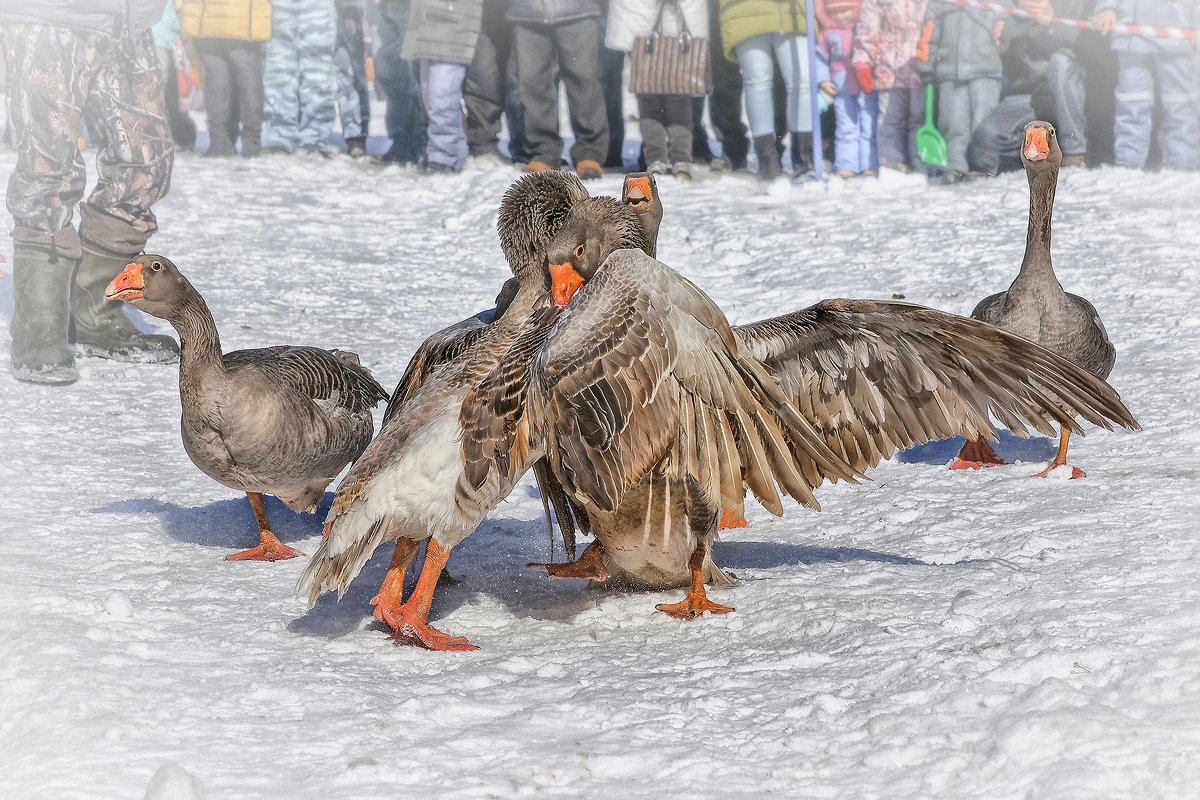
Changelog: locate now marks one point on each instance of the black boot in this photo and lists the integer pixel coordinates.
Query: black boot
(769, 167)
(802, 147)
(41, 315)
(251, 140)
(99, 327)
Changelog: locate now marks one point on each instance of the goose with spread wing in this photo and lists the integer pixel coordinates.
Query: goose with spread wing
(278, 420)
(1036, 306)
(869, 378)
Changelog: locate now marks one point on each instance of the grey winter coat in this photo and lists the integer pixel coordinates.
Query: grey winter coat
(551, 12)
(442, 30)
(105, 17)
(960, 44)
(1164, 13)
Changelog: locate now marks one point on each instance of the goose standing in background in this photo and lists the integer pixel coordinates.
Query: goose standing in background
(1035, 305)
(404, 487)
(869, 378)
(275, 420)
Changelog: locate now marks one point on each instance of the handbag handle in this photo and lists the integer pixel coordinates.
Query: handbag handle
(685, 35)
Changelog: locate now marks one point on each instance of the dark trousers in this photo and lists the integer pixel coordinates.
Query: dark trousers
(232, 83)
(612, 71)
(402, 118)
(490, 88)
(1002, 132)
(725, 102)
(572, 47)
(666, 123)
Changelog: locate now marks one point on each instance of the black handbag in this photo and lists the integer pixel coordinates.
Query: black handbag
(661, 64)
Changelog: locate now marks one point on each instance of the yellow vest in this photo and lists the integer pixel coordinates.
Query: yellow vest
(225, 19)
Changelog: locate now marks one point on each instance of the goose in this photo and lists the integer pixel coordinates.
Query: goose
(281, 420)
(869, 378)
(404, 486)
(1035, 306)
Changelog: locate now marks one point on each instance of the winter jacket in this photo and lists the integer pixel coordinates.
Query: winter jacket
(1164, 13)
(551, 12)
(742, 19)
(834, 48)
(957, 44)
(442, 30)
(1031, 45)
(113, 19)
(886, 38)
(225, 19)
(629, 19)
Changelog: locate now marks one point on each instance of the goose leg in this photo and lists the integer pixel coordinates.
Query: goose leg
(977, 453)
(391, 592)
(1060, 458)
(410, 619)
(696, 602)
(269, 548)
(590, 564)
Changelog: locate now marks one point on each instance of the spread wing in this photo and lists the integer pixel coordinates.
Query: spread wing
(877, 377)
(642, 369)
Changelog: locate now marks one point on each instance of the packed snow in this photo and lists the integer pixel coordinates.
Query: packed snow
(929, 634)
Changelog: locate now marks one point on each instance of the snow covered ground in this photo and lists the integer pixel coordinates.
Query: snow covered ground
(932, 634)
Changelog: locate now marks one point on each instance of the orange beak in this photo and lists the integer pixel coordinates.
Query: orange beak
(1036, 148)
(566, 281)
(638, 192)
(128, 285)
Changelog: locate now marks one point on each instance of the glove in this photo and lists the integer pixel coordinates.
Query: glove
(865, 81)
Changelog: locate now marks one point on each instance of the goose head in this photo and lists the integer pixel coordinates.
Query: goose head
(640, 193)
(531, 213)
(591, 232)
(150, 283)
(1040, 150)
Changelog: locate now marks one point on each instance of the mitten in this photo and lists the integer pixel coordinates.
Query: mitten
(865, 81)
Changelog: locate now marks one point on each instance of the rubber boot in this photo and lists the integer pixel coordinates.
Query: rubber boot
(802, 160)
(251, 140)
(41, 316)
(769, 166)
(99, 327)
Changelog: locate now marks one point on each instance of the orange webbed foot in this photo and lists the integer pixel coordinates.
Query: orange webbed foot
(975, 454)
(693, 607)
(271, 549)
(590, 564)
(424, 635)
(1076, 472)
(730, 520)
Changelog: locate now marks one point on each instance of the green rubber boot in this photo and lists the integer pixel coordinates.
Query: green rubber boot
(41, 316)
(99, 327)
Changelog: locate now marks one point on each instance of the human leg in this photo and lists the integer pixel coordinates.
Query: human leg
(1135, 104)
(218, 93)
(1180, 99)
(247, 70)
(612, 68)
(891, 132)
(1066, 77)
(402, 117)
(725, 102)
(318, 81)
(678, 118)
(533, 46)
(441, 92)
(483, 88)
(1001, 133)
(353, 99)
(791, 52)
(577, 50)
(652, 120)
(954, 121)
(281, 76)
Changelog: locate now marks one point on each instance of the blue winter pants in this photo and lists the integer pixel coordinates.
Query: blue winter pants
(1179, 98)
(854, 134)
(402, 117)
(441, 93)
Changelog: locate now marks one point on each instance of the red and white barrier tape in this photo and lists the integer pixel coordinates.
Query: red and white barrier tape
(1137, 30)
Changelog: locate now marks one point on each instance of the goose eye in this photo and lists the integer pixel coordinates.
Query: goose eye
(156, 266)
(579, 251)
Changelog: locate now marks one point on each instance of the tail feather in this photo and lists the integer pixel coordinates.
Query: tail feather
(351, 539)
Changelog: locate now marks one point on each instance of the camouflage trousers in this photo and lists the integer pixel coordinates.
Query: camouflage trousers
(298, 74)
(61, 83)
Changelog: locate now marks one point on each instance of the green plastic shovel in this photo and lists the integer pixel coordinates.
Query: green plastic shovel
(931, 147)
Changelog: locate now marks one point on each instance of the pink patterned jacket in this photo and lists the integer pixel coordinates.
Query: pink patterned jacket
(886, 38)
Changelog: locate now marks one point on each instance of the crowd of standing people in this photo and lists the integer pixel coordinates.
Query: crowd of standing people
(282, 75)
